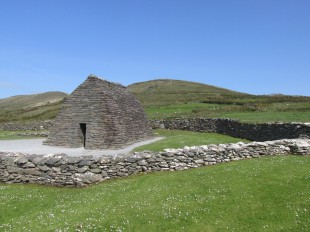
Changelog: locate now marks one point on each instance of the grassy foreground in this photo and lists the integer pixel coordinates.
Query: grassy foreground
(180, 139)
(267, 194)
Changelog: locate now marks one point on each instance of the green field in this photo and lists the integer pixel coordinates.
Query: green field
(266, 194)
(170, 92)
(171, 98)
(285, 112)
(180, 139)
(12, 135)
(31, 107)
(44, 112)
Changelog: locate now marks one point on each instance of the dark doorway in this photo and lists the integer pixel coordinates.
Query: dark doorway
(83, 128)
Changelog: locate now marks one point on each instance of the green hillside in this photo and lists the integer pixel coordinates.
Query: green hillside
(30, 101)
(167, 92)
(31, 107)
(173, 98)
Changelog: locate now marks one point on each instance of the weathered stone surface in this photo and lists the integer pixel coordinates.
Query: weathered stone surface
(51, 161)
(96, 170)
(44, 168)
(87, 177)
(21, 160)
(163, 165)
(131, 160)
(142, 163)
(39, 160)
(29, 165)
(83, 169)
(6, 174)
(200, 161)
(168, 154)
(9, 161)
(85, 162)
(104, 174)
(32, 171)
(13, 169)
(121, 174)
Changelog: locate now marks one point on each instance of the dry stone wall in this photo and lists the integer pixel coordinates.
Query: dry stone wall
(61, 170)
(34, 126)
(251, 131)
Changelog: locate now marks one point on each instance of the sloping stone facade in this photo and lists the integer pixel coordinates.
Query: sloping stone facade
(99, 115)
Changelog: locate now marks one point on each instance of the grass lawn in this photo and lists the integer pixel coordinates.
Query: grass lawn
(11, 135)
(297, 112)
(266, 194)
(269, 116)
(180, 139)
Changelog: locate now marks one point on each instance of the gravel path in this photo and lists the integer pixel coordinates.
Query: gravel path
(35, 146)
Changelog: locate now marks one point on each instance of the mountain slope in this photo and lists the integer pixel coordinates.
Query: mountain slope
(31, 107)
(172, 98)
(31, 101)
(166, 92)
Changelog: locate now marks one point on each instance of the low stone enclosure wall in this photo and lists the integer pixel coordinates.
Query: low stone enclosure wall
(235, 128)
(61, 170)
(33, 126)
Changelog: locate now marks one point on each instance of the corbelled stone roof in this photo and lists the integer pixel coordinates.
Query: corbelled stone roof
(99, 114)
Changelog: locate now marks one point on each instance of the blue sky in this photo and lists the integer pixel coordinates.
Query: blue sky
(253, 46)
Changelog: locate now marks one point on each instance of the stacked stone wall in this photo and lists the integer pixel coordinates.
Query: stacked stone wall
(251, 131)
(34, 126)
(61, 170)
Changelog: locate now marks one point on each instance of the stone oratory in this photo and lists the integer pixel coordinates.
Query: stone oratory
(99, 115)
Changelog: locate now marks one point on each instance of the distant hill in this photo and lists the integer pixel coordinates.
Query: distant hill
(35, 106)
(164, 98)
(166, 92)
(30, 101)
(159, 92)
